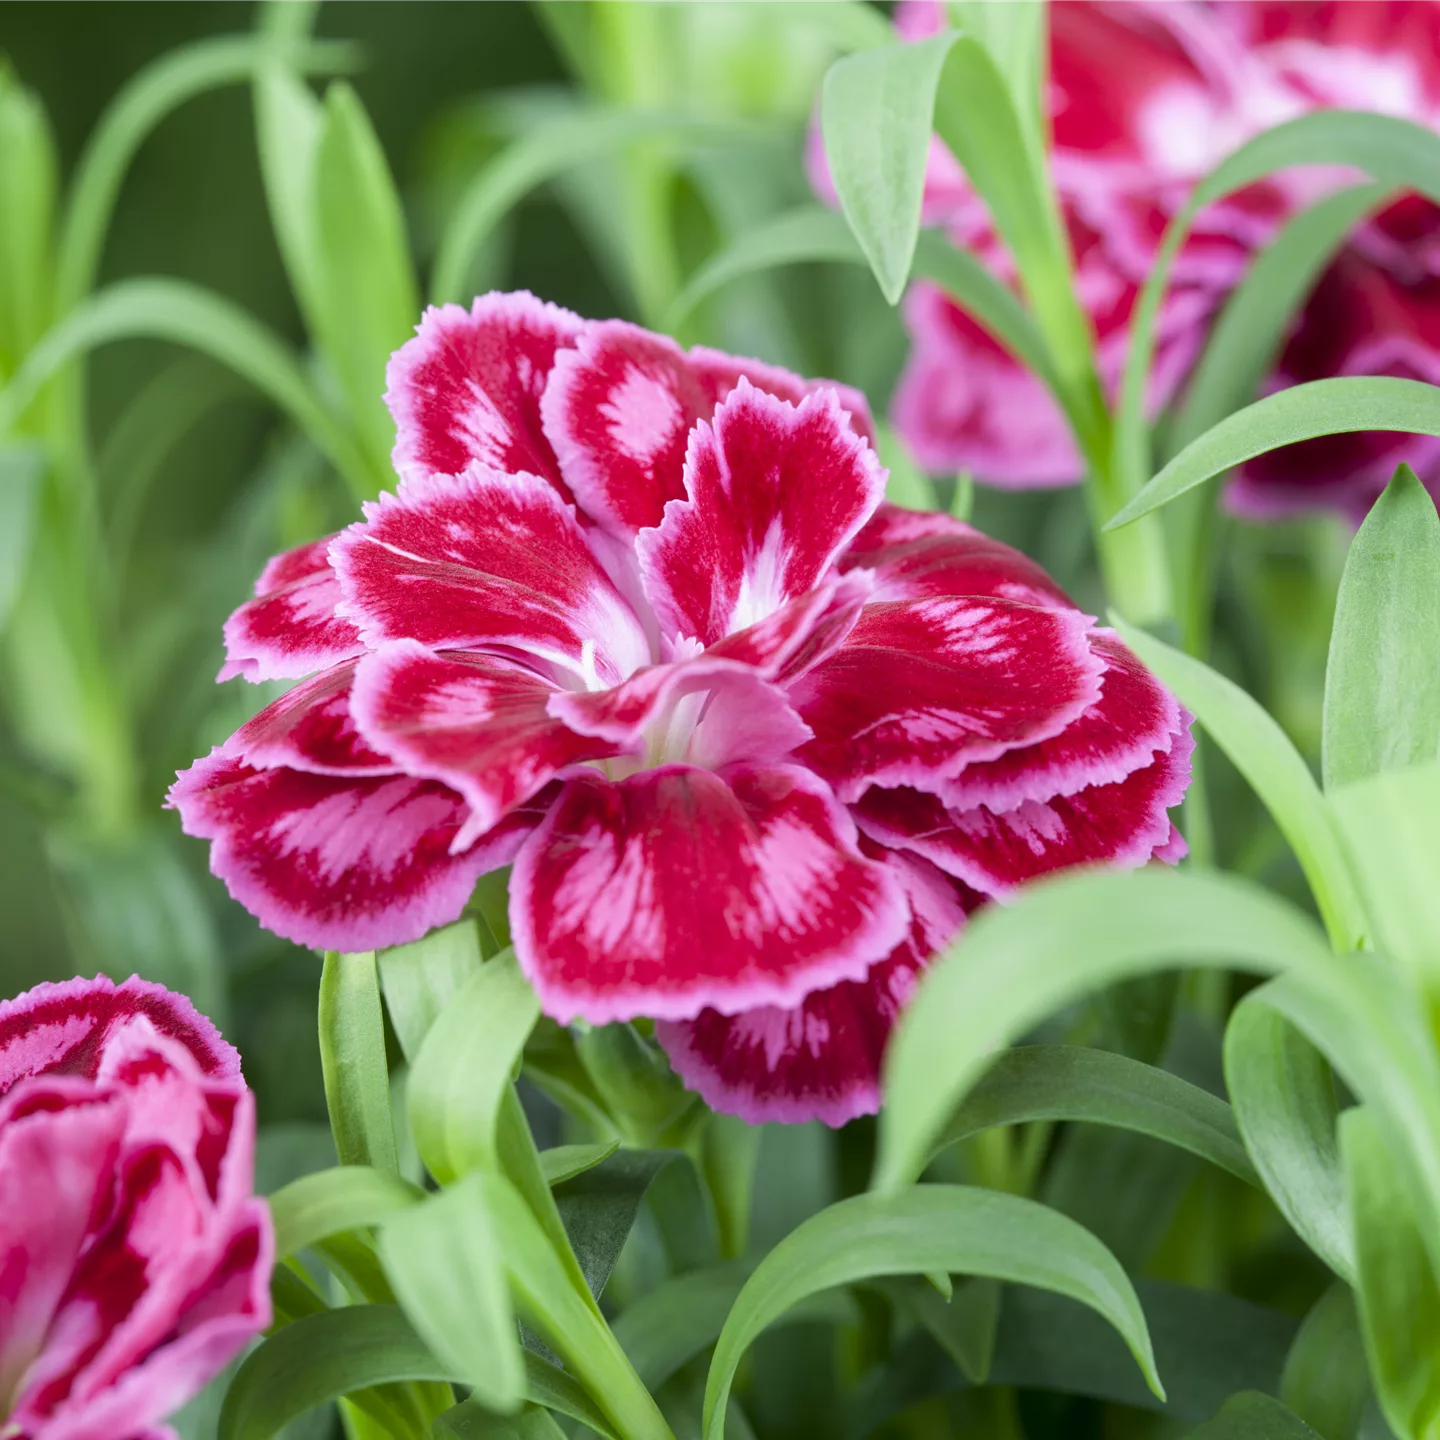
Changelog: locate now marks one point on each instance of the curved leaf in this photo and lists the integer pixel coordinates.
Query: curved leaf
(352, 1056)
(1382, 681)
(1325, 1381)
(1072, 1083)
(345, 1197)
(1060, 939)
(1285, 1104)
(1261, 751)
(462, 1073)
(1303, 412)
(1393, 151)
(185, 314)
(565, 1162)
(1252, 1416)
(420, 979)
(927, 1228)
(146, 100)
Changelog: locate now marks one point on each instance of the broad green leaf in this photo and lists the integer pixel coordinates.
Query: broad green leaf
(1392, 151)
(1399, 1300)
(471, 1421)
(462, 1073)
(1251, 329)
(1285, 1104)
(346, 1197)
(565, 1314)
(1063, 938)
(444, 1262)
(541, 155)
(28, 170)
(877, 111)
(368, 304)
(22, 476)
(565, 1162)
(1303, 412)
(145, 101)
(352, 1055)
(1392, 822)
(1382, 682)
(185, 314)
(1263, 754)
(928, 1227)
(1071, 1083)
(1325, 1381)
(422, 978)
(1252, 1416)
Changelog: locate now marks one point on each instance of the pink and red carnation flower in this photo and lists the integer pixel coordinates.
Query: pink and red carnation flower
(1145, 98)
(638, 622)
(134, 1260)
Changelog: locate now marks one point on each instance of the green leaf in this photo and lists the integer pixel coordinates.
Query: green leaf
(422, 978)
(1325, 1380)
(634, 1079)
(1382, 682)
(157, 91)
(1285, 1104)
(462, 1073)
(368, 304)
(22, 476)
(1393, 151)
(1399, 1300)
(1253, 1416)
(444, 1262)
(346, 1197)
(905, 485)
(541, 155)
(1392, 822)
(729, 1154)
(565, 1162)
(1060, 939)
(28, 170)
(928, 1227)
(288, 122)
(1252, 327)
(1071, 1083)
(1263, 754)
(1303, 412)
(965, 1326)
(352, 1055)
(1015, 35)
(877, 112)
(471, 1421)
(185, 314)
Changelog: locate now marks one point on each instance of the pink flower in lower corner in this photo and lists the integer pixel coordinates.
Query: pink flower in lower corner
(134, 1259)
(638, 622)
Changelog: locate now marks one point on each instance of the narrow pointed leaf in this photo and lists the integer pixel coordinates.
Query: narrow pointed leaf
(928, 1227)
(421, 979)
(22, 475)
(345, 1197)
(352, 1054)
(1253, 1416)
(565, 1162)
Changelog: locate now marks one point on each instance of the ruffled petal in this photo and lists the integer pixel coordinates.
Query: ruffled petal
(821, 1059)
(290, 628)
(330, 862)
(914, 554)
(922, 688)
(467, 388)
(310, 728)
(679, 889)
(486, 559)
(63, 1028)
(620, 406)
(777, 492)
(1134, 720)
(1123, 824)
(476, 723)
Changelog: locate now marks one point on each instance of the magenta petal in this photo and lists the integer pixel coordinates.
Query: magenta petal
(310, 728)
(468, 386)
(63, 1028)
(1124, 824)
(290, 628)
(328, 862)
(922, 688)
(486, 559)
(475, 723)
(776, 493)
(916, 554)
(820, 1059)
(679, 889)
(1134, 719)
